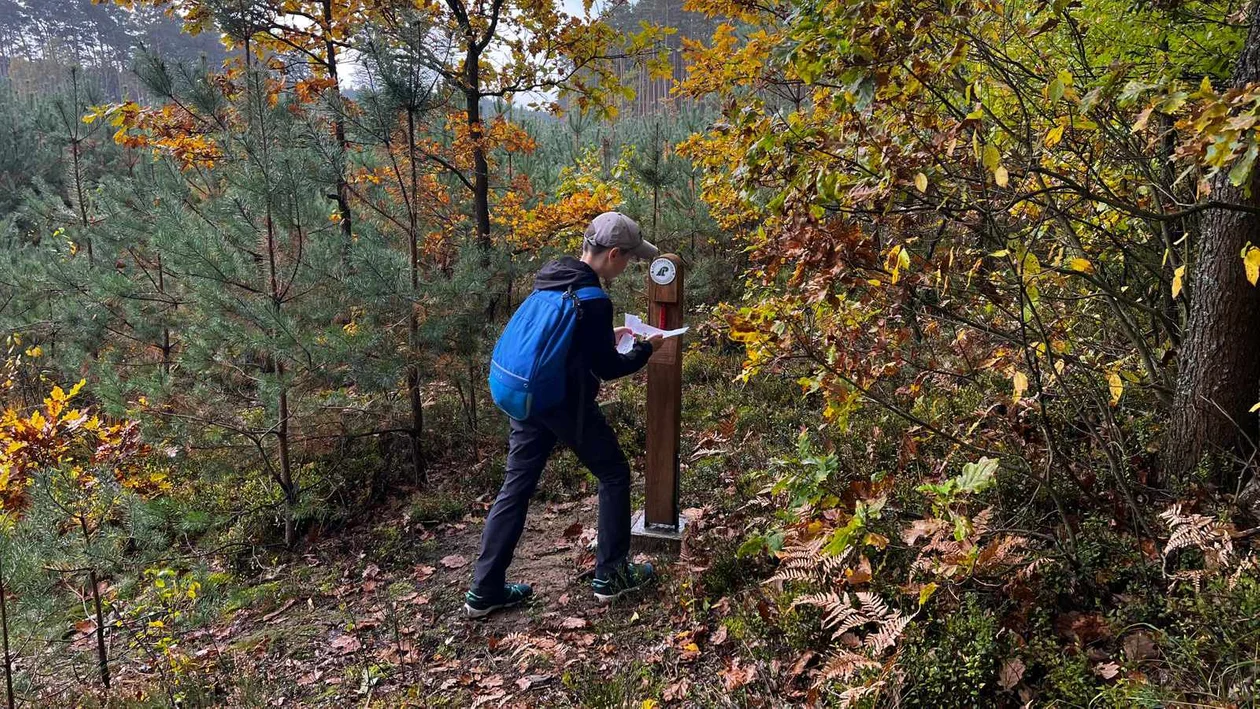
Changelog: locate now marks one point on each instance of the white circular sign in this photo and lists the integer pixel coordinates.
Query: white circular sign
(663, 271)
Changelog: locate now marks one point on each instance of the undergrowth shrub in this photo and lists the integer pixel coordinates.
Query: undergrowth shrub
(953, 661)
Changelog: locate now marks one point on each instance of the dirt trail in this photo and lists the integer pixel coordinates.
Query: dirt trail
(346, 627)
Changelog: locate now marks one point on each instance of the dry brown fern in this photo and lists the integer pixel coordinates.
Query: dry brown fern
(846, 613)
(851, 696)
(887, 634)
(945, 556)
(808, 563)
(870, 625)
(1196, 531)
(842, 665)
(1248, 565)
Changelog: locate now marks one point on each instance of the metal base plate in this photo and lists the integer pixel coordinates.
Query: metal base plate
(656, 537)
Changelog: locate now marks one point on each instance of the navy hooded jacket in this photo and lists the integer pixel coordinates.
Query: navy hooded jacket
(593, 355)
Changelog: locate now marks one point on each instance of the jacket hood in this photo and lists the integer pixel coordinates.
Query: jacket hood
(564, 273)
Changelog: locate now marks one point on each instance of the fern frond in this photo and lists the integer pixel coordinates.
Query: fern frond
(1197, 531)
(888, 634)
(809, 563)
(1005, 551)
(981, 522)
(853, 695)
(873, 606)
(843, 664)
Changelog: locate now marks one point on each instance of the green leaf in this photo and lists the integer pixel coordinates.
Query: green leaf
(978, 476)
(1172, 102)
(1055, 89)
(991, 157)
(774, 542)
(1242, 169)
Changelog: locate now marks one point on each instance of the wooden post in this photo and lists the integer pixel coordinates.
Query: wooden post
(660, 524)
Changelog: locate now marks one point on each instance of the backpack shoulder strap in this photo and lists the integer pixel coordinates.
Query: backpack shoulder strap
(590, 293)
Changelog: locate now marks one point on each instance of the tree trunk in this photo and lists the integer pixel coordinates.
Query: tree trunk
(79, 190)
(102, 657)
(413, 322)
(287, 486)
(4, 626)
(166, 329)
(481, 167)
(286, 466)
(656, 210)
(1219, 368)
(339, 128)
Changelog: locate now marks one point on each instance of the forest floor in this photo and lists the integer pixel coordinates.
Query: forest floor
(371, 615)
(375, 618)
(367, 610)
(348, 612)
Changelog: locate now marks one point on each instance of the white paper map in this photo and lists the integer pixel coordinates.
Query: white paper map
(642, 329)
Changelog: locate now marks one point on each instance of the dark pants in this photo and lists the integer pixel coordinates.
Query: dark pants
(529, 445)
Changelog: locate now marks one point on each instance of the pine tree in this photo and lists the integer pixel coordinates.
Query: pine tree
(237, 221)
(396, 115)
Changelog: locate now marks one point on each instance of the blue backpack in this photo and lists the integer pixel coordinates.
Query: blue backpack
(527, 369)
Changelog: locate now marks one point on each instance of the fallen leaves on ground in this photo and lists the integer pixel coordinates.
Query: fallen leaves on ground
(346, 644)
(1140, 646)
(736, 675)
(1011, 673)
(1107, 670)
(799, 666)
(272, 615)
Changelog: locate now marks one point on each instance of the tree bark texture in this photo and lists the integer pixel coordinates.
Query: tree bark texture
(339, 129)
(1219, 366)
(476, 130)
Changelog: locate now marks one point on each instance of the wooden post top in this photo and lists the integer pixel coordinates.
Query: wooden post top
(665, 276)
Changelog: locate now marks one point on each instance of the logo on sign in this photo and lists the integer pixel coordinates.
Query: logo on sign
(663, 271)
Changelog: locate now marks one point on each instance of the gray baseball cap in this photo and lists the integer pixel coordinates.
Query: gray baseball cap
(616, 229)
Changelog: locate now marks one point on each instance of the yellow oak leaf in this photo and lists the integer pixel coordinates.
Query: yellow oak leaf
(1251, 262)
(1020, 381)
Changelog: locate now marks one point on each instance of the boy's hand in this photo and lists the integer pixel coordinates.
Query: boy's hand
(655, 341)
(620, 332)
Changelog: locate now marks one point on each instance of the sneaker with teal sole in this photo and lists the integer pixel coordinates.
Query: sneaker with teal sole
(479, 606)
(631, 577)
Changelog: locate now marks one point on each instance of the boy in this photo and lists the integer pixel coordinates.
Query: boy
(610, 242)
